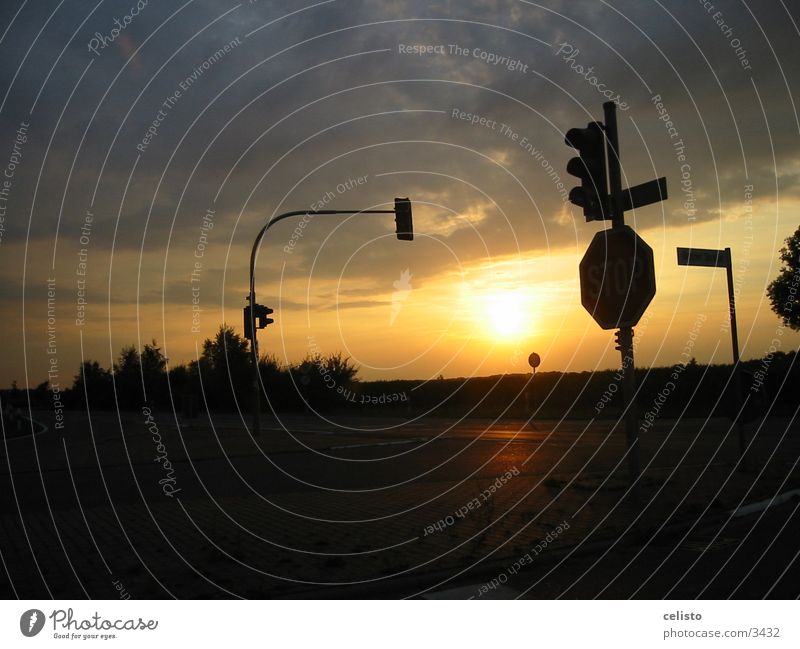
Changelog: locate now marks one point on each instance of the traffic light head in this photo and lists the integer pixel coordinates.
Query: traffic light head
(590, 167)
(402, 219)
(248, 324)
(261, 313)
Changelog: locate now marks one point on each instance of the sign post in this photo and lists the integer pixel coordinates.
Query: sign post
(534, 360)
(617, 285)
(722, 259)
(617, 272)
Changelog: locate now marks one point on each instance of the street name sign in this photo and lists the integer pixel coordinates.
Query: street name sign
(703, 257)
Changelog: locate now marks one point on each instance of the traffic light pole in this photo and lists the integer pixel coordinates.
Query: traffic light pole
(614, 170)
(625, 334)
(406, 234)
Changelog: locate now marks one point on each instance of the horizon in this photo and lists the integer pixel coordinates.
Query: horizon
(170, 365)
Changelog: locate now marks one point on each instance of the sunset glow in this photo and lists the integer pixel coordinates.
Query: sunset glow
(507, 313)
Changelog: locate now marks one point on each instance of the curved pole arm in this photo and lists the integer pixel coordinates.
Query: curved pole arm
(253, 330)
(286, 215)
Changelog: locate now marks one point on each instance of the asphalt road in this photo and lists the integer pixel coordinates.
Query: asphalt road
(302, 454)
(346, 508)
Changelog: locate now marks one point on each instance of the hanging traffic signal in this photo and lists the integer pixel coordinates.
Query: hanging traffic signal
(402, 219)
(590, 167)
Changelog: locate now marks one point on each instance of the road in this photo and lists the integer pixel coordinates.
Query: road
(745, 557)
(363, 506)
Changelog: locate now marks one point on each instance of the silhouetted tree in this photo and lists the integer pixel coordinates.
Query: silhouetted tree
(93, 383)
(127, 378)
(341, 369)
(784, 291)
(280, 394)
(321, 380)
(180, 380)
(154, 373)
(224, 369)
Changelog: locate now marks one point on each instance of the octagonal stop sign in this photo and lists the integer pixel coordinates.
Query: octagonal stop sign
(618, 278)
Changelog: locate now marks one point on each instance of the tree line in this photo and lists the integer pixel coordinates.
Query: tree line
(220, 379)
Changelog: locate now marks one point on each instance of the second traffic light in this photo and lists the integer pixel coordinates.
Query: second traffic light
(262, 313)
(590, 167)
(261, 316)
(402, 219)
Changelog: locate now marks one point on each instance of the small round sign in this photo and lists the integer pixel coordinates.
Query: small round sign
(534, 360)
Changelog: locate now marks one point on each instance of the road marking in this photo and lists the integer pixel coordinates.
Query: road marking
(752, 508)
(42, 429)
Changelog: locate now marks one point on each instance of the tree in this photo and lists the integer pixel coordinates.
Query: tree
(342, 369)
(154, 373)
(127, 378)
(141, 377)
(784, 291)
(224, 369)
(93, 384)
(320, 380)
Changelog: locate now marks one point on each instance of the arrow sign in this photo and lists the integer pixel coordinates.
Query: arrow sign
(703, 257)
(652, 191)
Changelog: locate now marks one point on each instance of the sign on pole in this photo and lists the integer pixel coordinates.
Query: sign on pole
(647, 193)
(721, 259)
(703, 257)
(618, 279)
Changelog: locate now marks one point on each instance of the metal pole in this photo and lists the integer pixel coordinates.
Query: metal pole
(625, 334)
(614, 172)
(631, 416)
(737, 369)
(253, 332)
(254, 341)
(732, 306)
(529, 394)
(254, 350)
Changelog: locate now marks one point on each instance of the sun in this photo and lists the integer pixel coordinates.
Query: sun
(506, 313)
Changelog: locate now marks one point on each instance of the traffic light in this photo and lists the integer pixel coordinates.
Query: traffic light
(248, 324)
(261, 313)
(402, 219)
(261, 316)
(590, 167)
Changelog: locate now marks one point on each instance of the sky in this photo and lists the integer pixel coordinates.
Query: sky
(143, 146)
